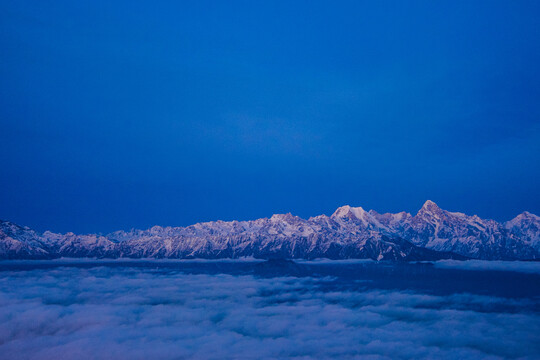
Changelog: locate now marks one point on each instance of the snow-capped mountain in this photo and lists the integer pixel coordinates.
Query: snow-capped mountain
(20, 242)
(471, 236)
(350, 232)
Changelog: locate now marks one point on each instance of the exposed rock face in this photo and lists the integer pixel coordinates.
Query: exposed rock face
(351, 232)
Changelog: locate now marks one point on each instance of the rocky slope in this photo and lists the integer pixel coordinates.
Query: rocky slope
(351, 232)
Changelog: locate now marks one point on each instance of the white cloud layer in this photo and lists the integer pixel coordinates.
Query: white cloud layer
(129, 313)
(531, 267)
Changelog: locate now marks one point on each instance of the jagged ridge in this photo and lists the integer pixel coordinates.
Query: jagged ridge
(351, 232)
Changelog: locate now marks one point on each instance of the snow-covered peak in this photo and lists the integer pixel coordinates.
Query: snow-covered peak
(525, 216)
(359, 218)
(430, 206)
(391, 220)
(349, 232)
(431, 212)
(526, 227)
(349, 212)
(319, 218)
(288, 217)
(525, 220)
(9, 229)
(156, 229)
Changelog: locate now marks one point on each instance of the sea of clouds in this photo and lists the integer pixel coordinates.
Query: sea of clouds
(133, 313)
(532, 267)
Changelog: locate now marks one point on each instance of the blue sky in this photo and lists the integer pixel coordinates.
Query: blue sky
(128, 114)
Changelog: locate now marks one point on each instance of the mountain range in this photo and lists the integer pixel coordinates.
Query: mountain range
(349, 233)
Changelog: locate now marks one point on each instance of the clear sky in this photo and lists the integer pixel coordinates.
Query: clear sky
(119, 114)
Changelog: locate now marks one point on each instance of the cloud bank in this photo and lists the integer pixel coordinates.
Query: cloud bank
(130, 313)
(530, 267)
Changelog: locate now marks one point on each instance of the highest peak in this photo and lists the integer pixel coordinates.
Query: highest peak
(429, 203)
(430, 206)
(430, 209)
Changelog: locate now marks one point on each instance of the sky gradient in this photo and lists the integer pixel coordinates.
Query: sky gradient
(131, 114)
